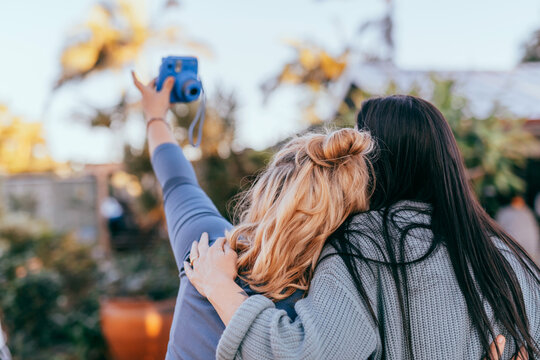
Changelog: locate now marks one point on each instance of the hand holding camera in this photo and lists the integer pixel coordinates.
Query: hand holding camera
(177, 82)
(187, 86)
(155, 103)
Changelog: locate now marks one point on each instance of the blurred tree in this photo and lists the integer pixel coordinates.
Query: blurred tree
(113, 36)
(312, 69)
(50, 292)
(494, 146)
(22, 146)
(315, 70)
(148, 274)
(531, 48)
(382, 28)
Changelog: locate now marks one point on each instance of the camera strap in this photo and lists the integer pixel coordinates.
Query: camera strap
(199, 118)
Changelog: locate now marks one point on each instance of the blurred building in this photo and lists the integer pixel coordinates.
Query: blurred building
(516, 90)
(67, 203)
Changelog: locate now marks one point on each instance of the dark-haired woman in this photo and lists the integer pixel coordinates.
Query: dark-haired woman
(424, 274)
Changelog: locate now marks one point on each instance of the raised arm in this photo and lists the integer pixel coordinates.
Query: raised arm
(196, 327)
(188, 210)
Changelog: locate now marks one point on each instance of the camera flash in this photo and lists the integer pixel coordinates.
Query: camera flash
(178, 66)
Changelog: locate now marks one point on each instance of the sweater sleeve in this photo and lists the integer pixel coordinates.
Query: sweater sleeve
(332, 323)
(188, 210)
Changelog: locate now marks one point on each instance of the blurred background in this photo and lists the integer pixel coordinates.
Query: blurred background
(86, 270)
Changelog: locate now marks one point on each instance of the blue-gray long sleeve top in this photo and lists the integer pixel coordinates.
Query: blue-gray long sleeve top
(196, 326)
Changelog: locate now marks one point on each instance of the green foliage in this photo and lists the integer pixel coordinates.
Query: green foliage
(532, 48)
(222, 179)
(51, 286)
(493, 146)
(49, 297)
(150, 272)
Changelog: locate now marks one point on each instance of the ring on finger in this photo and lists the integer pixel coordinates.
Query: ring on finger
(192, 260)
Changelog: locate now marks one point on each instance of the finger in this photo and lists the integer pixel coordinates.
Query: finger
(218, 245)
(189, 270)
(137, 83)
(152, 84)
(203, 244)
(227, 247)
(168, 85)
(497, 344)
(194, 251)
(522, 355)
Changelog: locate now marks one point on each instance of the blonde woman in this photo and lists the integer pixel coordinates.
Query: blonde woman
(296, 204)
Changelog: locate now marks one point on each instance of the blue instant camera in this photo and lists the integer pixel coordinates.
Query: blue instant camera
(187, 87)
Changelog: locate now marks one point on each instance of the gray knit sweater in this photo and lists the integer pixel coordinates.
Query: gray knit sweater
(334, 323)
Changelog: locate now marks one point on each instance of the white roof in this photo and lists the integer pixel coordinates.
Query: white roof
(517, 90)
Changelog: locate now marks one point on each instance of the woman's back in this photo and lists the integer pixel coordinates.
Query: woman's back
(440, 325)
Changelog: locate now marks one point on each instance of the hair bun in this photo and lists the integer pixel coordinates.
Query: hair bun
(338, 146)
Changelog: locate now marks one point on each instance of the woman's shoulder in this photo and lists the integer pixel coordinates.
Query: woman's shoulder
(398, 214)
(524, 271)
(527, 277)
(406, 223)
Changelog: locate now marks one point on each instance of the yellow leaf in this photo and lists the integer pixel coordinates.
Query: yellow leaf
(308, 59)
(331, 67)
(22, 146)
(80, 58)
(310, 114)
(314, 85)
(98, 17)
(289, 76)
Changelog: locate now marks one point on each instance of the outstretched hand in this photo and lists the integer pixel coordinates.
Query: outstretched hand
(155, 103)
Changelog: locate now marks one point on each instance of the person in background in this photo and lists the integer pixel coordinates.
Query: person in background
(113, 212)
(519, 221)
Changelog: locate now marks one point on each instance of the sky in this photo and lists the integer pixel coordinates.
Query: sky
(248, 41)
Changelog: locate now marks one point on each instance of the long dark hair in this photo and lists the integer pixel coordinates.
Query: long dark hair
(419, 160)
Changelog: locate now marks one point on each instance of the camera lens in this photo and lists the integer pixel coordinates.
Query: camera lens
(191, 90)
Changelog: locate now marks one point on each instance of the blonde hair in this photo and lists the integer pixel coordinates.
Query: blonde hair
(308, 190)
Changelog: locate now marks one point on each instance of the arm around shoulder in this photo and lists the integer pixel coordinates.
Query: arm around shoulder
(332, 322)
